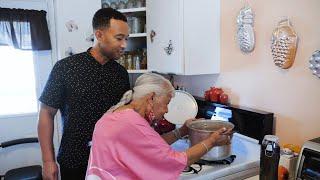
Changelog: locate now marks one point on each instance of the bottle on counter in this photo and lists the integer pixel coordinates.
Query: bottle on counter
(137, 59)
(269, 158)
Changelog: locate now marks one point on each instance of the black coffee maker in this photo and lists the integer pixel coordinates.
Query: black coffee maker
(269, 158)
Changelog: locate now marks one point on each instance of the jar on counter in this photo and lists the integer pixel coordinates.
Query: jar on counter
(122, 60)
(140, 3)
(137, 24)
(105, 5)
(122, 5)
(130, 22)
(130, 4)
(114, 5)
(129, 61)
(143, 64)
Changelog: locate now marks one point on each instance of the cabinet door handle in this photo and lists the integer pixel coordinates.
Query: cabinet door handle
(152, 35)
(169, 48)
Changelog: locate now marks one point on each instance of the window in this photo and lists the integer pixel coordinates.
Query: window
(17, 82)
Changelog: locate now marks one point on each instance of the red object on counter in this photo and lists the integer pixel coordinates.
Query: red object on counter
(283, 173)
(211, 95)
(224, 98)
(215, 95)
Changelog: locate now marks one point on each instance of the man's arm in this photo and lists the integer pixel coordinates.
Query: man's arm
(45, 135)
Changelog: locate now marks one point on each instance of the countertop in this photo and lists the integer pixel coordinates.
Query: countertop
(253, 178)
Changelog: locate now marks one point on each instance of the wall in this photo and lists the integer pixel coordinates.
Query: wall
(254, 81)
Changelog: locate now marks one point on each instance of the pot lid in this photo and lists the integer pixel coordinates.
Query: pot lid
(182, 107)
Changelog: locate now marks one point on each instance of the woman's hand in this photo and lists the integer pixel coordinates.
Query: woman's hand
(221, 137)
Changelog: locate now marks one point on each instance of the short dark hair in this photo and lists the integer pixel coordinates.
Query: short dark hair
(102, 17)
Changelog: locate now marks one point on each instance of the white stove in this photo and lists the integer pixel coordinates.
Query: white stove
(246, 163)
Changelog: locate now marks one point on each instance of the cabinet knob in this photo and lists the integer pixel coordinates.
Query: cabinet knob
(152, 35)
(169, 48)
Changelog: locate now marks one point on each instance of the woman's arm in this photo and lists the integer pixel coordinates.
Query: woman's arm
(176, 134)
(173, 136)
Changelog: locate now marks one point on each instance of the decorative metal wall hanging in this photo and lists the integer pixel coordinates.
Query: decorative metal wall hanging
(284, 44)
(71, 26)
(245, 34)
(315, 63)
(169, 48)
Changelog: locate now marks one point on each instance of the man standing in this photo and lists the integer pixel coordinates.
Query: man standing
(83, 87)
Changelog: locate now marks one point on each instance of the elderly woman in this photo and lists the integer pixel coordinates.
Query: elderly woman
(125, 146)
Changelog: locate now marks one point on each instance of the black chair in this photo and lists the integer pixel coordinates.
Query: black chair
(22, 173)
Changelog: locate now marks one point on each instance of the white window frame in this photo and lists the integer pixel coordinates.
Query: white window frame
(43, 60)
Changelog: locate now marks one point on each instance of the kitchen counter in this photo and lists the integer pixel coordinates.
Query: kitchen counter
(253, 178)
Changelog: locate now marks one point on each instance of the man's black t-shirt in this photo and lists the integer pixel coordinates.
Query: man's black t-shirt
(83, 90)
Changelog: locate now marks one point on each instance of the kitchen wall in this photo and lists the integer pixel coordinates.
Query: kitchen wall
(254, 81)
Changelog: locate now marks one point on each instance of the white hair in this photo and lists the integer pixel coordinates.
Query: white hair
(145, 84)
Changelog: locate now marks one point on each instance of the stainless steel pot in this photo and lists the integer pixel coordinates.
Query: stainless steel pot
(201, 130)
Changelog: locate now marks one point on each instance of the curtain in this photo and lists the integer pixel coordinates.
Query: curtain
(24, 29)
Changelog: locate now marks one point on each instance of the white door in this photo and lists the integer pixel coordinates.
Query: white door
(165, 24)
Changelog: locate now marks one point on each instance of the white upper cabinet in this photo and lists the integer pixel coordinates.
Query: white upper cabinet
(183, 36)
(165, 27)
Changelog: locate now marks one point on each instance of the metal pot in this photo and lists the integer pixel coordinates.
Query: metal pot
(202, 129)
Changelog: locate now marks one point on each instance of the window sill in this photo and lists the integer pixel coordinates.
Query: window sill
(18, 115)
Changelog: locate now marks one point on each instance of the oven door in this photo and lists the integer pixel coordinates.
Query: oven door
(309, 166)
